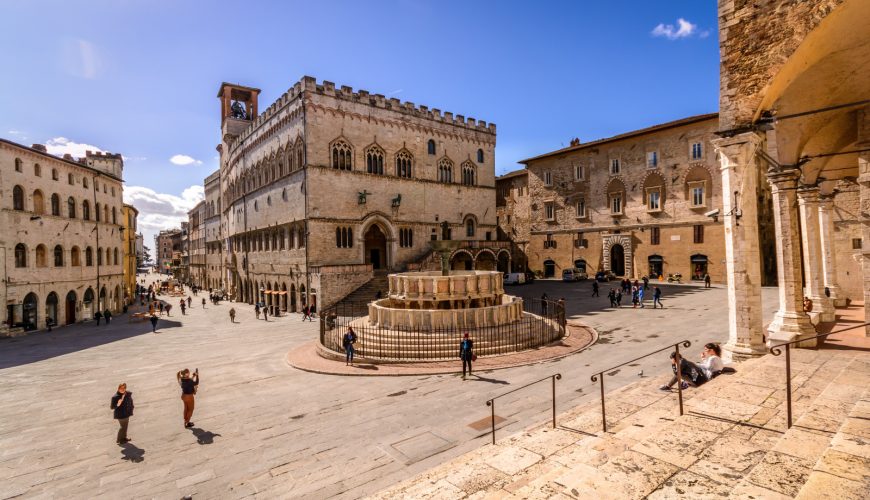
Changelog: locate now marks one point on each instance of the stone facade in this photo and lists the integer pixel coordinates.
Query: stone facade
(214, 243)
(633, 204)
(130, 257)
(61, 236)
(513, 212)
(169, 249)
(328, 178)
(196, 244)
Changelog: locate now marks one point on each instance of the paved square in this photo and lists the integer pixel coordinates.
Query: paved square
(265, 429)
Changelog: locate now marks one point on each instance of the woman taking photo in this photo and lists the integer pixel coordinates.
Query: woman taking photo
(188, 390)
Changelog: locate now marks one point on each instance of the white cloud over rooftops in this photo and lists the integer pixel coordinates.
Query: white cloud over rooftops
(60, 146)
(683, 29)
(158, 211)
(185, 160)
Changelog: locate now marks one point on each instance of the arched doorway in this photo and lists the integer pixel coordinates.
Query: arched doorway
(617, 260)
(580, 264)
(376, 247)
(71, 300)
(29, 316)
(504, 261)
(293, 297)
(302, 298)
(462, 261)
(699, 266)
(102, 304)
(485, 261)
(118, 298)
(549, 268)
(656, 266)
(284, 297)
(51, 308)
(88, 304)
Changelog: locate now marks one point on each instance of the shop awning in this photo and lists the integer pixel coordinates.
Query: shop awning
(699, 258)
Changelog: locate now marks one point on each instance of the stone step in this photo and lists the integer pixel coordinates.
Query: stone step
(732, 441)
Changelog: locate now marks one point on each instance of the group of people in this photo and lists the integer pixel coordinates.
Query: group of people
(122, 403)
(107, 315)
(637, 292)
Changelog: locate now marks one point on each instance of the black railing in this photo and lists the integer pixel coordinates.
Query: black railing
(542, 322)
(600, 376)
(776, 351)
(491, 402)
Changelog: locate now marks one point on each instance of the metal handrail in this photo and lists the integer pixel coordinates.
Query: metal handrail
(600, 377)
(776, 351)
(491, 402)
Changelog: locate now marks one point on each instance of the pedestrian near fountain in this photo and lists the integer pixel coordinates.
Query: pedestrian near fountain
(466, 354)
(122, 406)
(188, 385)
(347, 342)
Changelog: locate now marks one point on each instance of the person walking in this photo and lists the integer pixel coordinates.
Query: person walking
(232, 315)
(168, 308)
(347, 342)
(183, 308)
(612, 296)
(265, 313)
(707, 280)
(466, 354)
(122, 406)
(160, 306)
(595, 289)
(619, 298)
(257, 310)
(98, 316)
(108, 315)
(189, 300)
(153, 320)
(544, 300)
(657, 297)
(634, 297)
(640, 296)
(646, 282)
(203, 302)
(188, 385)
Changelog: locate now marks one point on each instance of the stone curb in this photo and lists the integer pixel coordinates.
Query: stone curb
(300, 357)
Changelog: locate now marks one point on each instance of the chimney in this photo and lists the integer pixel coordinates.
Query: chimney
(39, 147)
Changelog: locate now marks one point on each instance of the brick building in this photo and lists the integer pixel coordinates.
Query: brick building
(61, 236)
(636, 204)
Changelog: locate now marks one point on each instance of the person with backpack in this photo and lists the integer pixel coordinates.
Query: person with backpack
(466, 354)
(122, 406)
(347, 342)
(188, 385)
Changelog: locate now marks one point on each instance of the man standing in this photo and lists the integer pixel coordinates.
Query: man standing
(347, 342)
(153, 323)
(707, 280)
(122, 405)
(232, 315)
(466, 354)
(595, 289)
(98, 316)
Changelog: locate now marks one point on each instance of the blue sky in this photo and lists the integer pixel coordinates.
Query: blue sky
(140, 77)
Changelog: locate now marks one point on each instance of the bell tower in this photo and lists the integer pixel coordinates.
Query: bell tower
(238, 108)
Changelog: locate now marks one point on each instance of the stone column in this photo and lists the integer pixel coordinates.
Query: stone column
(790, 322)
(829, 257)
(814, 282)
(742, 256)
(864, 210)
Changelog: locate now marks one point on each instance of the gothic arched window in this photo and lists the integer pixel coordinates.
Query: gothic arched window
(445, 171)
(342, 155)
(468, 174)
(404, 161)
(20, 255)
(375, 160)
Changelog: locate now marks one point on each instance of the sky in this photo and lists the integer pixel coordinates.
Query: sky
(140, 77)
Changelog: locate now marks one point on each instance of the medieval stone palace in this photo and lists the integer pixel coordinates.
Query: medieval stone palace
(330, 186)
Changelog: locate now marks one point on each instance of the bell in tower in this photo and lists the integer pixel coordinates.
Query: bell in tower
(238, 108)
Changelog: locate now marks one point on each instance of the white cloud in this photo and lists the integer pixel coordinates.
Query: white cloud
(185, 160)
(60, 146)
(683, 29)
(19, 135)
(158, 211)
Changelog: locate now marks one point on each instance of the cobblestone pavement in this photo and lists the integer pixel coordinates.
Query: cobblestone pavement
(265, 429)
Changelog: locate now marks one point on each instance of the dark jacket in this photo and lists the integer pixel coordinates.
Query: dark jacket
(348, 340)
(465, 349)
(126, 408)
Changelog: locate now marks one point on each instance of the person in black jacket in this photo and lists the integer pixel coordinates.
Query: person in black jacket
(347, 342)
(122, 404)
(465, 354)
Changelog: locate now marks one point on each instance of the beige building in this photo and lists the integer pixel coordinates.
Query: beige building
(513, 215)
(61, 237)
(214, 243)
(794, 120)
(129, 251)
(331, 185)
(637, 204)
(196, 245)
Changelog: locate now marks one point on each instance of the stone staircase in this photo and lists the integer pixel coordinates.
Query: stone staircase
(732, 441)
(367, 292)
